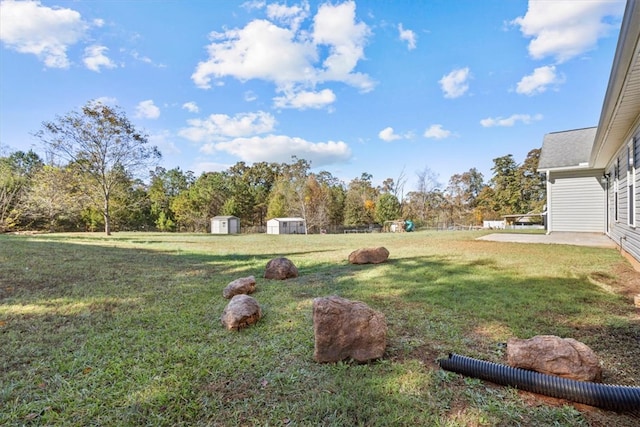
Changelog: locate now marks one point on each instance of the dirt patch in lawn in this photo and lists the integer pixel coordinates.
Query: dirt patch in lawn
(623, 280)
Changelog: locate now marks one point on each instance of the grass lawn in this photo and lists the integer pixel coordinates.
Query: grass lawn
(125, 330)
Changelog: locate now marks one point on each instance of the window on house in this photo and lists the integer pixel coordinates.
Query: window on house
(631, 183)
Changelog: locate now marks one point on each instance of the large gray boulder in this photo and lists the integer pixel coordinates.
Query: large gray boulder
(369, 255)
(552, 355)
(243, 285)
(280, 269)
(346, 329)
(242, 311)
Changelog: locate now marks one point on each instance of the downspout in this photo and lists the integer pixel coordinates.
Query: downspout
(549, 214)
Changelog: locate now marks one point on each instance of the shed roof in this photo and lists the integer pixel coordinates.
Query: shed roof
(287, 219)
(224, 217)
(567, 149)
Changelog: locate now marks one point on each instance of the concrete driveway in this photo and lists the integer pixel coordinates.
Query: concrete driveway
(577, 239)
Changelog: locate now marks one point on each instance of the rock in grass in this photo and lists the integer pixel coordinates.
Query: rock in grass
(552, 355)
(280, 269)
(243, 285)
(242, 311)
(369, 256)
(347, 329)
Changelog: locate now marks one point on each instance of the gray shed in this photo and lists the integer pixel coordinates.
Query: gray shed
(225, 224)
(286, 226)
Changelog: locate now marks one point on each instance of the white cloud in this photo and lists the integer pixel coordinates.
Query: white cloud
(280, 148)
(106, 100)
(147, 110)
(29, 27)
(191, 107)
(260, 50)
(218, 127)
(408, 36)
(253, 5)
(456, 83)
(335, 26)
(95, 58)
(305, 99)
(539, 81)
(566, 29)
(136, 55)
(296, 60)
(292, 16)
(388, 134)
(510, 121)
(145, 59)
(164, 141)
(250, 96)
(436, 132)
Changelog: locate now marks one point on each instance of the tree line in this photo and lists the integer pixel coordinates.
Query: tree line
(93, 178)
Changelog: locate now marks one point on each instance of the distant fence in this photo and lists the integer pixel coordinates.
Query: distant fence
(341, 229)
(255, 229)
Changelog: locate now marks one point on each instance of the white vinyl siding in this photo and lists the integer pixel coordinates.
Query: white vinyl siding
(577, 202)
(624, 231)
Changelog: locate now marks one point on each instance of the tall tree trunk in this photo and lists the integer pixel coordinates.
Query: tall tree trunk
(107, 218)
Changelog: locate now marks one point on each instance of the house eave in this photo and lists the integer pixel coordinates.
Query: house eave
(567, 168)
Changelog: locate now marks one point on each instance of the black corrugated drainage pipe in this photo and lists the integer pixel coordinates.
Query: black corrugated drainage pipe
(615, 397)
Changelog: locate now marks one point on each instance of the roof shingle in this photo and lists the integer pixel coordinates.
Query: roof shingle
(570, 148)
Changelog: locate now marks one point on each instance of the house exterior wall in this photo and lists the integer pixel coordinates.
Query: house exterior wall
(622, 205)
(575, 201)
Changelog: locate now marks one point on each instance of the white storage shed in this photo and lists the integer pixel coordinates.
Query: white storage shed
(225, 224)
(286, 226)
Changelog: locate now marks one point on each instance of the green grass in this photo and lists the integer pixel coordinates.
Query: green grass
(125, 330)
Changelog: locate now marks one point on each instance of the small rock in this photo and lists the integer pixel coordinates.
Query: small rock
(552, 355)
(244, 285)
(369, 256)
(347, 329)
(242, 311)
(280, 269)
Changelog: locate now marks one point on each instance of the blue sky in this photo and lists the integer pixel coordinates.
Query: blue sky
(383, 87)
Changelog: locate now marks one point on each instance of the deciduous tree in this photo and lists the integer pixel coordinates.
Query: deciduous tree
(16, 173)
(53, 197)
(165, 186)
(387, 208)
(359, 205)
(102, 142)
